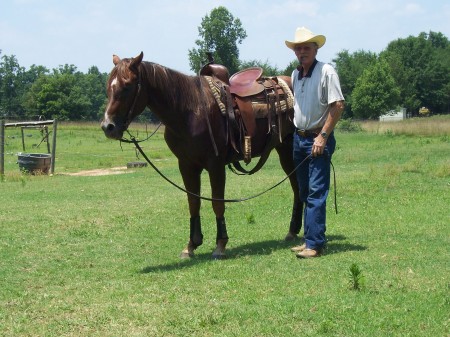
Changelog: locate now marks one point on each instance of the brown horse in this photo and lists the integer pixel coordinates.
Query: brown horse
(195, 131)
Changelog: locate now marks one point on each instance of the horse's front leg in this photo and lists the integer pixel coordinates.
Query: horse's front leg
(217, 180)
(192, 183)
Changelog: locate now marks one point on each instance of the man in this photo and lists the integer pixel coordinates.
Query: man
(317, 108)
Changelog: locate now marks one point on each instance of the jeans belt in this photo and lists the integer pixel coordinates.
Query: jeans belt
(308, 133)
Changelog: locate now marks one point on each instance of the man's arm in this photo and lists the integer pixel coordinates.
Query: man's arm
(334, 114)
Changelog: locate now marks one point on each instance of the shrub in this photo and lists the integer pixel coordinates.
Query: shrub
(348, 125)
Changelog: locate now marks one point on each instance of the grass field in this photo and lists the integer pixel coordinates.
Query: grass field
(98, 255)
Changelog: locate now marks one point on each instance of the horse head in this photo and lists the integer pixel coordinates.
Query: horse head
(125, 98)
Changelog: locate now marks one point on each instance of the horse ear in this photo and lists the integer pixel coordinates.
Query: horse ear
(116, 59)
(136, 61)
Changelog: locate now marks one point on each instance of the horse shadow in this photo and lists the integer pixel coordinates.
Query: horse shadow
(334, 246)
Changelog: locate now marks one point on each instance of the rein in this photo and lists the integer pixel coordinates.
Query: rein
(133, 140)
(130, 141)
(136, 143)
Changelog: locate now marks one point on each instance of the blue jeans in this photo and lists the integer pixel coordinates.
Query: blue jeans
(313, 177)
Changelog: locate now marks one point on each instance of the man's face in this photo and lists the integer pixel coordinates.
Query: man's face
(306, 52)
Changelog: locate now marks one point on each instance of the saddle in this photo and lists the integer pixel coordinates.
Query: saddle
(245, 97)
(245, 82)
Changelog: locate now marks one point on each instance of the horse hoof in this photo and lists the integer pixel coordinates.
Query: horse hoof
(185, 254)
(291, 237)
(219, 256)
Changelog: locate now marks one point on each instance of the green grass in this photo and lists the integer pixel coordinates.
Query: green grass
(98, 255)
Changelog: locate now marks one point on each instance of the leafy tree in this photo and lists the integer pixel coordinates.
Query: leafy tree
(220, 33)
(349, 68)
(420, 67)
(95, 90)
(11, 86)
(60, 95)
(30, 77)
(268, 69)
(68, 94)
(290, 68)
(375, 91)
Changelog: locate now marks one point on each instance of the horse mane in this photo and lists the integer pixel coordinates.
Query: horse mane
(179, 91)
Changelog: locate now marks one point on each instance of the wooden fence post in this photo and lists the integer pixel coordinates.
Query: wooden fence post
(2, 148)
(52, 165)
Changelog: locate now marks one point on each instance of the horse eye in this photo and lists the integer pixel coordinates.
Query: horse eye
(123, 92)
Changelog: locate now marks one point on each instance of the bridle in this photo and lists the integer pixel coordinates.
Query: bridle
(130, 114)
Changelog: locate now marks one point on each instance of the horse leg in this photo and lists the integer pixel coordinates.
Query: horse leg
(284, 151)
(217, 181)
(192, 182)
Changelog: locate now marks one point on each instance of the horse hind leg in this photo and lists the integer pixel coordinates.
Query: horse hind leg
(217, 181)
(221, 239)
(285, 154)
(296, 221)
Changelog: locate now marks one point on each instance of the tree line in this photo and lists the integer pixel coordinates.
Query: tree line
(411, 73)
(64, 92)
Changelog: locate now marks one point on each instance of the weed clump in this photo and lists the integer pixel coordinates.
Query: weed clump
(356, 278)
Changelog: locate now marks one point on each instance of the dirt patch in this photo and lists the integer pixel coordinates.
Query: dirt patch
(101, 172)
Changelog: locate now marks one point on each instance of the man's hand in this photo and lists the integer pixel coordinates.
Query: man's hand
(318, 146)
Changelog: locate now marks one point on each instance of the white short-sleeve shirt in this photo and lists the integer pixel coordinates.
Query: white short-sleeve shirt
(314, 94)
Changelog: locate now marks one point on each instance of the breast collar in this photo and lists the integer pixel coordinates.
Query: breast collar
(310, 71)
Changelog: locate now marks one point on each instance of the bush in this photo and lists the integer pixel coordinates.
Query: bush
(348, 125)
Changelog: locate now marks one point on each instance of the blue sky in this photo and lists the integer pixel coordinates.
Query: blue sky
(88, 32)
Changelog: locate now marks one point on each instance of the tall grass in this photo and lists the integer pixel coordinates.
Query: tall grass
(98, 255)
(422, 126)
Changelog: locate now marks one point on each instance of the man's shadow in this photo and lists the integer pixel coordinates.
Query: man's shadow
(334, 246)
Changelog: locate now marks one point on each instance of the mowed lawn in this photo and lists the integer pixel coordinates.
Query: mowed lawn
(97, 255)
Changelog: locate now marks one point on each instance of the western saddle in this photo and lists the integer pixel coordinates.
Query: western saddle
(245, 97)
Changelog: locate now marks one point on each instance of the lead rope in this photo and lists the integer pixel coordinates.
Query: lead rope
(136, 143)
(335, 192)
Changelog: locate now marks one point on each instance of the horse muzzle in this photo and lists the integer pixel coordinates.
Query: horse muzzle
(112, 130)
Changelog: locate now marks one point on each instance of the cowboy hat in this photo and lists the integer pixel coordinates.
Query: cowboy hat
(303, 35)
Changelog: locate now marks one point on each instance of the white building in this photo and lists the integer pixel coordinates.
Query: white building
(393, 115)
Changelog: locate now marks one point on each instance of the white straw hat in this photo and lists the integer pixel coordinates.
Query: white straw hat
(303, 35)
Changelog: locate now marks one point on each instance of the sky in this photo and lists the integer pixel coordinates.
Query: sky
(87, 33)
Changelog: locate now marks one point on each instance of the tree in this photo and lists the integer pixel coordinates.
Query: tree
(268, 69)
(375, 91)
(290, 68)
(95, 89)
(420, 67)
(220, 33)
(61, 95)
(11, 86)
(349, 68)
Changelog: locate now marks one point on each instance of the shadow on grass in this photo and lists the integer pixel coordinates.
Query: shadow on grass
(255, 248)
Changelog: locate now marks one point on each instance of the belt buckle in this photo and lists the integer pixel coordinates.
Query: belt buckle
(302, 132)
